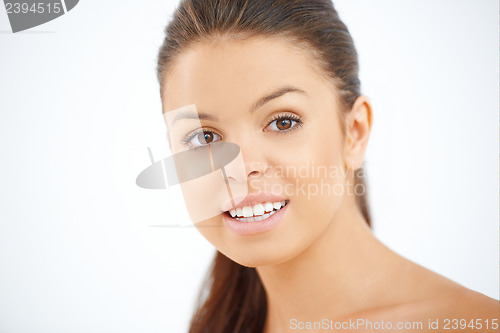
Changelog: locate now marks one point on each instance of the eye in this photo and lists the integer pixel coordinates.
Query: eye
(283, 123)
(201, 138)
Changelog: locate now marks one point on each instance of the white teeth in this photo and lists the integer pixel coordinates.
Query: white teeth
(256, 218)
(247, 211)
(258, 209)
(257, 212)
(268, 207)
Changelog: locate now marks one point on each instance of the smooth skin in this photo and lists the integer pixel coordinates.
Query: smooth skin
(322, 260)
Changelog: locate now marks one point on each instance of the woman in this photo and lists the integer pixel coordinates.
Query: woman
(279, 78)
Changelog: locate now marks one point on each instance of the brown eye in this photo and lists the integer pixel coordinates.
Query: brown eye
(202, 138)
(206, 137)
(283, 124)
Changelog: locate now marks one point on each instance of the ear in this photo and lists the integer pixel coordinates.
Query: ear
(358, 127)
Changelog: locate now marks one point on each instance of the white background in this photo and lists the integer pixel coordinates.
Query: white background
(79, 106)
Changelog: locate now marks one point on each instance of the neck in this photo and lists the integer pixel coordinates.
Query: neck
(330, 278)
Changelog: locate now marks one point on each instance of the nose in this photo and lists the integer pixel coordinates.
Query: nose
(250, 163)
(254, 168)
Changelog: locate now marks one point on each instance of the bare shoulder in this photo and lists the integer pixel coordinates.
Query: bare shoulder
(436, 300)
(456, 301)
(428, 302)
(455, 308)
(448, 298)
(472, 303)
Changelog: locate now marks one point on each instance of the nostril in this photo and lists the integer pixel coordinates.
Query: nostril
(253, 173)
(256, 169)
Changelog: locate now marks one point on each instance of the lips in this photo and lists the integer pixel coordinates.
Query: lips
(255, 207)
(256, 214)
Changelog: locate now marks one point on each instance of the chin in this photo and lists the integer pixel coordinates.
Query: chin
(255, 260)
(265, 252)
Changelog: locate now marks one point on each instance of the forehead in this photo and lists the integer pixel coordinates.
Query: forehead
(238, 71)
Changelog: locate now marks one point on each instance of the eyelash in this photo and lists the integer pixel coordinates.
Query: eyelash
(298, 123)
(187, 139)
(288, 116)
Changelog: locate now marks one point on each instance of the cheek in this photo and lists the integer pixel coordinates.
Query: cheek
(212, 230)
(314, 178)
(315, 166)
(317, 187)
(204, 197)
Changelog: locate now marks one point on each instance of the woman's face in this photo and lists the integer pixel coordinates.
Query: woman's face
(271, 99)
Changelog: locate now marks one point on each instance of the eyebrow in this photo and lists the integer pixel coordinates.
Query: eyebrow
(188, 114)
(278, 93)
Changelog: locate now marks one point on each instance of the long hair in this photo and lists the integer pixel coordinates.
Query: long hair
(233, 298)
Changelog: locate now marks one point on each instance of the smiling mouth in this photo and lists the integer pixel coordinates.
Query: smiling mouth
(258, 212)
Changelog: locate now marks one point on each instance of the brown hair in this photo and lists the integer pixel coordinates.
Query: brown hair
(236, 300)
